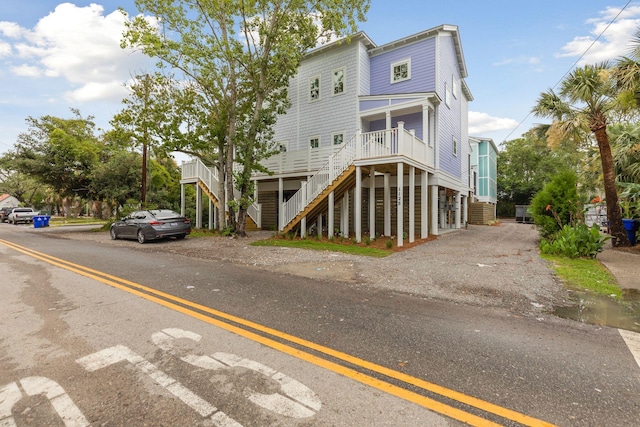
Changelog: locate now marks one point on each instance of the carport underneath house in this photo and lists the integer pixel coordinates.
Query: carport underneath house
(364, 198)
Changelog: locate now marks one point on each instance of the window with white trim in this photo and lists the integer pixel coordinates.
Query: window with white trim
(338, 81)
(314, 88)
(401, 71)
(314, 142)
(447, 95)
(338, 138)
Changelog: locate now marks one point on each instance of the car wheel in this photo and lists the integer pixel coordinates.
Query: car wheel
(112, 233)
(141, 238)
(180, 236)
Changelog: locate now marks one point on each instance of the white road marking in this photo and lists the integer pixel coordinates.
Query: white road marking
(300, 401)
(10, 394)
(632, 339)
(109, 356)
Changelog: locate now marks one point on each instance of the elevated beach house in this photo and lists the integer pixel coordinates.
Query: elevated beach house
(375, 142)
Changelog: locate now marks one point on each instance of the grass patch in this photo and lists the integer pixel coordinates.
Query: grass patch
(319, 245)
(203, 232)
(583, 273)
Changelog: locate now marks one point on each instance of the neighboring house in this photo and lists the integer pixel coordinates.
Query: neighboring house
(483, 180)
(7, 201)
(375, 142)
(484, 170)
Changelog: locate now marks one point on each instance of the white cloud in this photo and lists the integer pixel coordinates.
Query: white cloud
(26, 70)
(95, 91)
(5, 49)
(10, 29)
(80, 45)
(482, 123)
(614, 42)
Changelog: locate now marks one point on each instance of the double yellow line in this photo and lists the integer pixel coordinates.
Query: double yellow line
(204, 314)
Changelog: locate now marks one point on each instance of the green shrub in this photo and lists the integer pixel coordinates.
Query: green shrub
(575, 242)
(557, 204)
(389, 244)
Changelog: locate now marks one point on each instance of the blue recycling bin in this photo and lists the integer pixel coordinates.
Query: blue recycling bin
(38, 221)
(46, 219)
(631, 226)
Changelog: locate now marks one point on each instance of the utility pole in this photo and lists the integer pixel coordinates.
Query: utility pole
(145, 142)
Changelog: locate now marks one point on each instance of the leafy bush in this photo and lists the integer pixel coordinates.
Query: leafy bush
(579, 241)
(557, 204)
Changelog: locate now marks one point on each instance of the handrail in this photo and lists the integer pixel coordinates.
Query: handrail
(396, 141)
(370, 144)
(209, 176)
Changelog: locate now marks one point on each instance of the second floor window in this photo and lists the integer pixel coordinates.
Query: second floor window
(314, 88)
(338, 81)
(401, 71)
(338, 138)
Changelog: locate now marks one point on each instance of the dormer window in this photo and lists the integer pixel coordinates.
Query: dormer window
(401, 71)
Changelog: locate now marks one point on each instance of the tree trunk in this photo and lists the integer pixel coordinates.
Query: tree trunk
(222, 200)
(614, 215)
(241, 225)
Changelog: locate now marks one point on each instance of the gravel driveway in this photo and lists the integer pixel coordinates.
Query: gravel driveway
(495, 266)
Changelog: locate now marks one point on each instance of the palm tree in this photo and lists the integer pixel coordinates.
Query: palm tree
(586, 96)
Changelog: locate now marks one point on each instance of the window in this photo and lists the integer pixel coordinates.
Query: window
(282, 147)
(447, 95)
(454, 85)
(455, 146)
(314, 142)
(314, 88)
(401, 71)
(338, 138)
(338, 81)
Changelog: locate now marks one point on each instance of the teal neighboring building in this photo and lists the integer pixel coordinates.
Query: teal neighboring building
(483, 174)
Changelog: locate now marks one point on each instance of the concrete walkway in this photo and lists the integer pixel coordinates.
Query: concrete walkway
(624, 264)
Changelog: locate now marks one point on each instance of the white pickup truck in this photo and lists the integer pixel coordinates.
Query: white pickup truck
(21, 215)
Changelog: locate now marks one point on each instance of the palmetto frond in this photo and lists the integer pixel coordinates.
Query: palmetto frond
(550, 105)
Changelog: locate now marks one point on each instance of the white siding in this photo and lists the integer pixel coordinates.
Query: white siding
(331, 113)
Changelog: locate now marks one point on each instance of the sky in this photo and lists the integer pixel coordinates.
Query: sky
(56, 56)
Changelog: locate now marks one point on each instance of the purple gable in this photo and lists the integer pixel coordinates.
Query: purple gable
(423, 60)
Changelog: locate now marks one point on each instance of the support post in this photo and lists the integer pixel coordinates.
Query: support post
(400, 204)
(387, 205)
(330, 216)
(357, 205)
(458, 209)
(280, 204)
(424, 205)
(372, 203)
(412, 204)
(434, 210)
(182, 201)
(198, 206)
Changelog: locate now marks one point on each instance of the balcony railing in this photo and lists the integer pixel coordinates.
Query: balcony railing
(385, 143)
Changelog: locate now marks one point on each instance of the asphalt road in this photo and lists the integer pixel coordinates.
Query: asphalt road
(126, 355)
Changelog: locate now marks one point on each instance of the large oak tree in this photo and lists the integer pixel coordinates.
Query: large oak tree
(238, 57)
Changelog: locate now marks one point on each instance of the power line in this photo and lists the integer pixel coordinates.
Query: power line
(574, 64)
